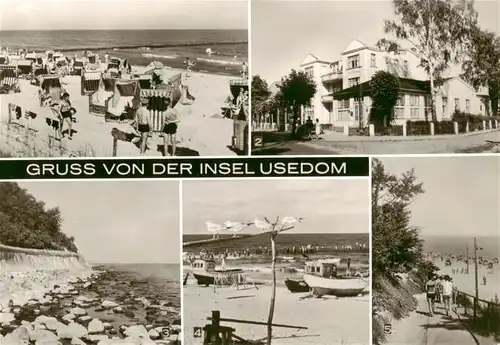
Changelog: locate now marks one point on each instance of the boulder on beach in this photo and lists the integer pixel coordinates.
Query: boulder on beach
(78, 311)
(73, 330)
(153, 334)
(69, 317)
(96, 326)
(109, 305)
(84, 319)
(77, 341)
(6, 318)
(137, 331)
(43, 336)
(118, 310)
(96, 338)
(18, 336)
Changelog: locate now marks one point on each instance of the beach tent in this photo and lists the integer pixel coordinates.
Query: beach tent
(25, 67)
(145, 80)
(3, 60)
(78, 66)
(51, 84)
(154, 66)
(158, 104)
(8, 78)
(98, 101)
(31, 56)
(90, 82)
(92, 59)
(125, 100)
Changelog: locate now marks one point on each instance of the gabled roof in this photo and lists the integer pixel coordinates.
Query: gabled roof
(311, 58)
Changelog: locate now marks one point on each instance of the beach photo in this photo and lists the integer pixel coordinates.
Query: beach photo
(123, 78)
(276, 262)
(375, 77)
(435, 250)
(99, 268)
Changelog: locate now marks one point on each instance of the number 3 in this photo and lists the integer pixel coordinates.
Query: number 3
(165, 332)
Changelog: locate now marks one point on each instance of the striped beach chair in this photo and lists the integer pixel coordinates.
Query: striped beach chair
(90, 82)
(158, 104)
(8, 79)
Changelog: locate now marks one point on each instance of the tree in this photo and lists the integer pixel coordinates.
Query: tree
(260, 97)
(274, 229)
(26, 223)
(481, 68)
(395, 243)
(296, 91)
(438, 31)
(385, 93)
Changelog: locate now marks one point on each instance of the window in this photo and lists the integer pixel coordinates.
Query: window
(405, 65)
(373, 60)
(445, 105)
(353, 81)
(310, 72)
(344, 104)
(457, 104)
(414, 106)
(353, 62)
(399, 108)
(467, 106)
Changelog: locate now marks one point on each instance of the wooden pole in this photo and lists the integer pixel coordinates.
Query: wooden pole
(215, 326)
(115, 146)
(475, 278)
(273, 294)
(258, 323)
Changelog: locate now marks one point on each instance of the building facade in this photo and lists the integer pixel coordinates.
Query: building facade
(342, 84)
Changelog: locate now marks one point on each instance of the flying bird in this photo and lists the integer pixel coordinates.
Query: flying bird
(262, 225)
(214, 228)
(288, 221)
(236, 226)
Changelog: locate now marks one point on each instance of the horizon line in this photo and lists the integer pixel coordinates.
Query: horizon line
(290, 233)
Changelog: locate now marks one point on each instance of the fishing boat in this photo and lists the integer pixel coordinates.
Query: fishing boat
(206, 273)
(330, 269)
(337, 287)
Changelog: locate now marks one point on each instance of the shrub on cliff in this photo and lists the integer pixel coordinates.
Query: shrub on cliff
(26, 222)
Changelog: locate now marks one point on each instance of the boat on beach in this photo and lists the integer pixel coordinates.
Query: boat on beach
(329, 269)
(336, 287)
(207, 273)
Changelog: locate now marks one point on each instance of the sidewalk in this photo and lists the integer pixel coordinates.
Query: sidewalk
(473, 142)
(421, 329)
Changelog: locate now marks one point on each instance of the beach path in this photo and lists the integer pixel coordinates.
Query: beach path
(421, 329)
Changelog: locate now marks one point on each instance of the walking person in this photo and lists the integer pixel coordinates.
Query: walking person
(67, 112)
(430, 289)
(143, 124)
(447, 294)
(170, 128)
(439, 290)
(317, 129)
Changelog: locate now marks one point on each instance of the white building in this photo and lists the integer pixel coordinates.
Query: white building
(341, 83)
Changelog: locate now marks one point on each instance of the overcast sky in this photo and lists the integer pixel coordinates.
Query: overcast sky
(117, 222)
(461, 194)
(284, 32)
(329, 206)
(122, 14)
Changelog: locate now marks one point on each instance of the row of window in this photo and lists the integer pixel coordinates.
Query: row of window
(354, 62)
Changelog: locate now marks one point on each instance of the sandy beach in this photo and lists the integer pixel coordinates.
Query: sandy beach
(465, 282)
(202, 130)
(248, 303)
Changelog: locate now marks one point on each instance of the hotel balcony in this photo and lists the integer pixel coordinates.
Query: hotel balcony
(331, 77)
(327, 99)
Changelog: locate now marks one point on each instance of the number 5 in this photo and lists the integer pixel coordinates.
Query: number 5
(387, 329)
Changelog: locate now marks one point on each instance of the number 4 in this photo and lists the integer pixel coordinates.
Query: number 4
(197, 332)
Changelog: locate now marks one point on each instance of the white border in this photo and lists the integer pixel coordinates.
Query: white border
(249, 119)
(181, 268)
(370, 251)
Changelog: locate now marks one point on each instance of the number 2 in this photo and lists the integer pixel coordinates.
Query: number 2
(257, 141)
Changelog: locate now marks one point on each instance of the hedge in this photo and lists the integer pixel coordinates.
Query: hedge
(418, 128)
(444, 127)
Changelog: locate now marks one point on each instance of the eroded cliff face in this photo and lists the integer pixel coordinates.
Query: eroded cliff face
(29, 273)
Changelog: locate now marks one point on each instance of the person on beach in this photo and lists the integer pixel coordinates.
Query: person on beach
(439, 289)
(430, 289)
(67, 112)
(106, 57)
(244, 70)
(447, 290)
(170, 128)
(143, 124)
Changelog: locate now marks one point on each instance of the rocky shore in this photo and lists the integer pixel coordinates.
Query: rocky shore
(100, 307)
